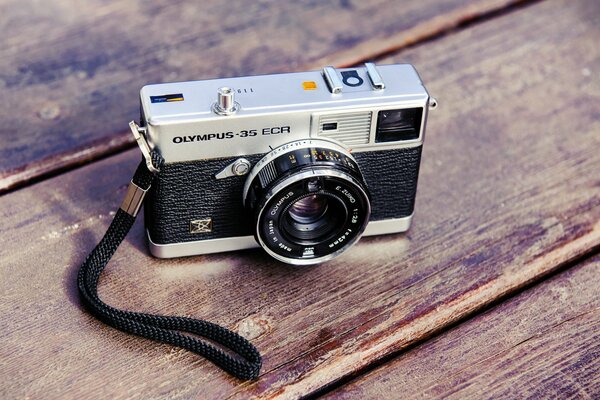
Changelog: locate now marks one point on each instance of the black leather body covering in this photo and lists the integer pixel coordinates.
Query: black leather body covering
(187, 191)
(391, 176)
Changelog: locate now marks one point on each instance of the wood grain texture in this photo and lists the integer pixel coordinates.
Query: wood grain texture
(70, 71)
(503, 199)
(544, 343)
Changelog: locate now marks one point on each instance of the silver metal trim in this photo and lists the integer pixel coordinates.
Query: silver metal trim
(210, 246)
(333, 80)
(384, 227)
(374, 76)
(433, 103)
(133, 199)
(144, 147)
(217, 110)
(199, 247)
(239, 167)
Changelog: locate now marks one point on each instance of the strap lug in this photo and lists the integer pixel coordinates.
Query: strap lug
(140, 138)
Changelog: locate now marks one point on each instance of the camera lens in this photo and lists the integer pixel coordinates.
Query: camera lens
(314, 218)
(309, 201)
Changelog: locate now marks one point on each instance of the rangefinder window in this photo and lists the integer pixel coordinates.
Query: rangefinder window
(397, 125)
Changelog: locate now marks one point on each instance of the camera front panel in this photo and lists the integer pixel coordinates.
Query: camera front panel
(187, 203)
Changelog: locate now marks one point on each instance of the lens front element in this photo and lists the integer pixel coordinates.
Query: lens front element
(309, 201)
(309, 208)
(314, 218)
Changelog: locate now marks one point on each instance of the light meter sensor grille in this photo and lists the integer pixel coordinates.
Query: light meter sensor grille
(348, 128)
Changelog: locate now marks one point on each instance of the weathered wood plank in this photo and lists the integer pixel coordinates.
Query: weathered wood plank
(503, 199)
(544, 343)
(70, 71)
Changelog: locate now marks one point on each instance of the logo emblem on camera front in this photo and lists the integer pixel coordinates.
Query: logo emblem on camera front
(201, 225)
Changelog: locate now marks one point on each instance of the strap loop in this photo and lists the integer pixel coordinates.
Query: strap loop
(165, 329)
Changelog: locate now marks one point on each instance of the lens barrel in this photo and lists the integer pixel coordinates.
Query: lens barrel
(309, 201)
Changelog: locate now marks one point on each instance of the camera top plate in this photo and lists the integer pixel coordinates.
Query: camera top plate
(182, 119)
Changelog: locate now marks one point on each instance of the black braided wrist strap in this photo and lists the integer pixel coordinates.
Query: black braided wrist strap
(162, 329)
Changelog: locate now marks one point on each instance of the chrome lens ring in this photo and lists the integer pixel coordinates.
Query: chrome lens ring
(318, 171)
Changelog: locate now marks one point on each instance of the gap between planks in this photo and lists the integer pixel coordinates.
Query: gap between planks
(588, 257)
(482, 342)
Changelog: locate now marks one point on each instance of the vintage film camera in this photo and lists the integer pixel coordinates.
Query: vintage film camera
(301, 164)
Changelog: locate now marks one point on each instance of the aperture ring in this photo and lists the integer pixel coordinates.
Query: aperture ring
(303, 152)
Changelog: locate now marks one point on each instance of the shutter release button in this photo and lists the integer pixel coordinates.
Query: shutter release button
(226, 104)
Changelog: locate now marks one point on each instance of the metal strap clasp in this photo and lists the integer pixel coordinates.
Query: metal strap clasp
(133, 199)
(141, 141)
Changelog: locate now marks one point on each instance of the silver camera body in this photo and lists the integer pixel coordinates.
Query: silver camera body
(301, 164)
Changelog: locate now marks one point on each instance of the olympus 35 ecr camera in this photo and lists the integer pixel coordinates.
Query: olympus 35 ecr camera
(301, 164)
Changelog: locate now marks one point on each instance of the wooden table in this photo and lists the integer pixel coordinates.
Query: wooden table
(494, 292)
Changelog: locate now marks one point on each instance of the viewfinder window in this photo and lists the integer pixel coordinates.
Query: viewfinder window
(398, 125)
